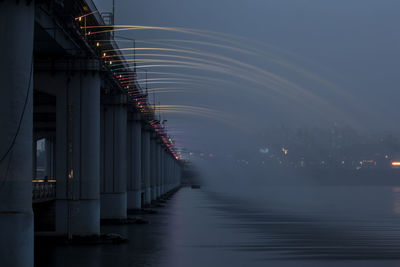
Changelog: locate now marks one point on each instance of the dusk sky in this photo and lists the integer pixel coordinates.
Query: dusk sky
(329, 48)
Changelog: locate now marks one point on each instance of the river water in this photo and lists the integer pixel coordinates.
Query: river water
(255, 226)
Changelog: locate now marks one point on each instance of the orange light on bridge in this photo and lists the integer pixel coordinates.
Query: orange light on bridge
(396, 163)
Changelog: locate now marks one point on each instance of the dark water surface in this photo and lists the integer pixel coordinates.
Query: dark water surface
(333, 226)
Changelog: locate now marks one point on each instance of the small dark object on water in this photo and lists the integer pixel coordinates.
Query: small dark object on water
(195, 186)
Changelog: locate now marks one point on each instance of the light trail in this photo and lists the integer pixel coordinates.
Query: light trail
(285, 87)
(274, 59)
(293, 95)
(229, 60)
(209, 44)
(117, 28)
(221, 68)
(236, 71)
(252, 51)
(166, 90)
(212, 80)
(88, 14)
(209, 34)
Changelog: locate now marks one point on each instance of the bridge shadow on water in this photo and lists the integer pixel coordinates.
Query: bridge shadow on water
(205, 228)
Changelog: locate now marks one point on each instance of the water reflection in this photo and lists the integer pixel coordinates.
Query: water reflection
(396, 200)
(210, 228)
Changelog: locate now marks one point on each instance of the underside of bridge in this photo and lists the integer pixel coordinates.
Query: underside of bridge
(75, 143)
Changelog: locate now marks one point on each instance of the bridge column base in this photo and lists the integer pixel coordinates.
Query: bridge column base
(78, 217)
(159, 194)
(16, 240)
(113, 205)
(147, 196)
(154, 193)
(134, 200)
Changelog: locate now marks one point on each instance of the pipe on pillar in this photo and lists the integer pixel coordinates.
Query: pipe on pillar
(134, 144)
(76, 85)
(16, 217)
(114, 157)
(146, 190)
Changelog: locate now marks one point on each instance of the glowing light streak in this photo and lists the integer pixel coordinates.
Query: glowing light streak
(260, 79)
(183, 30)
(193, 77)
(117, 28)
(209, 44)
(83, 16)
(286, 88)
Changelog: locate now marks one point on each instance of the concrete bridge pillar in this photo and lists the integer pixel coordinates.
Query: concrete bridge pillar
(76, 85)
(158, 168)
(179, 175)
(113, 157)
(169, 172)
(16, 79)
(162, 170)
(154, 167)
(134, 182)
(78, 155)
(176, 174)
(165, 167)
(172, 173)
(146, 164)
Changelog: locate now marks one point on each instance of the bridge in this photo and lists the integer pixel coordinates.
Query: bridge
(99, 145)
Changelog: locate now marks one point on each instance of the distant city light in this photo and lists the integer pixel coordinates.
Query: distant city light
(367, 161)
(396, 163)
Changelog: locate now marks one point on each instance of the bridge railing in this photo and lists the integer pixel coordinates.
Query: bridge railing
(43, 190)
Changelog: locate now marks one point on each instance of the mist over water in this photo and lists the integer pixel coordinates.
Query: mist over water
(288, 109)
